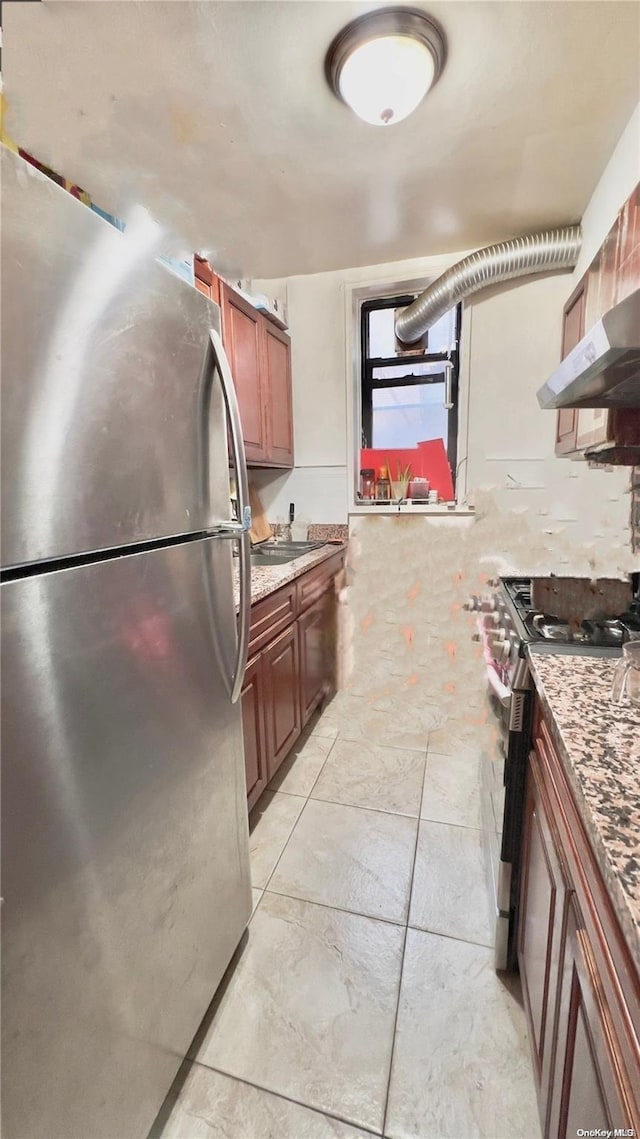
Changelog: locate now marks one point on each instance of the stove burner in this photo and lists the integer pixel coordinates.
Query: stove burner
(542, 626)
(529, 626)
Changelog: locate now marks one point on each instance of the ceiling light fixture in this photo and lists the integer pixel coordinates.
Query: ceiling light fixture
(382, 64)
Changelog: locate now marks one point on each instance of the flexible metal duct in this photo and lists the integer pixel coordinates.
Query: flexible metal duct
(535, 253)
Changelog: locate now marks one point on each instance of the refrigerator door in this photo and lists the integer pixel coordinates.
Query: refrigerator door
(124, 833)
(105, 360)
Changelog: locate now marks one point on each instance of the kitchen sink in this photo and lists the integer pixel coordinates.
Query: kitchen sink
(280, 553)
(260, 559)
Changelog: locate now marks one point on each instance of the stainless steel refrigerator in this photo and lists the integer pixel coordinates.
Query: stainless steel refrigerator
(125, 872)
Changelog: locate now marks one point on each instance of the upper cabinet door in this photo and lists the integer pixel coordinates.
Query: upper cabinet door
(278, 394)
(572, 333)
(241, 328)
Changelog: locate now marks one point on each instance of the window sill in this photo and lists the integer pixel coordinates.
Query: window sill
(441, 508)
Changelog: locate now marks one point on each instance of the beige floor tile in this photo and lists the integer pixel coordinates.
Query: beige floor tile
(449, 892)
(452, 789)
(461, 1063)
(310, 1009)
(214, 1106)
(323, 724)
(389, 721)
(351, 858)
(455, 736)
(366, 775)
(271, 824)
(300, 770)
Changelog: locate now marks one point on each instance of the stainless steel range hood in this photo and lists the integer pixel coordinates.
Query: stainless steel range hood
(603, 370)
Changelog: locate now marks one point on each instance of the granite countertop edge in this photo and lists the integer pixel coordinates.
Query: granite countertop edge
(269, 579)
(621, 902)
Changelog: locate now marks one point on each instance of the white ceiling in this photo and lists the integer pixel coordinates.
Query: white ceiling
(217, 117)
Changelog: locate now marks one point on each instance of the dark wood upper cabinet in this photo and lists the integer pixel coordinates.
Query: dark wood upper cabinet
(242, 335)
(205, 279)
(572, 332)
(260, 358)
(280, 400)
(603, 435)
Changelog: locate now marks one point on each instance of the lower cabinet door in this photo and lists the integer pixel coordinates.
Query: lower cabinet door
(587, 1092)
(543, 918)
(253, 726)
(282, 681)
(316, 654)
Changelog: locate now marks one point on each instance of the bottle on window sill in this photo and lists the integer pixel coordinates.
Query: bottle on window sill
(367, 484)
(383, 486)
(418, 489)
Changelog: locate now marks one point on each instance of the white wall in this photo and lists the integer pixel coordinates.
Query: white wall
(511, 342)
(620, 177)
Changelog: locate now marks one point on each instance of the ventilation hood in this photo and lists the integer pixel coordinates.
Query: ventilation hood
(603, 370)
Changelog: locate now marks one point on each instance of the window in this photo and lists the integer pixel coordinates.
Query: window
(409, 395)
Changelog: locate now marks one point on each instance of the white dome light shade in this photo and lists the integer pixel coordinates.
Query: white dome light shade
(384, 79)
(383, 63)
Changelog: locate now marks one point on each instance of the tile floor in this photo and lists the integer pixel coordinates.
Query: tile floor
(365, 1001)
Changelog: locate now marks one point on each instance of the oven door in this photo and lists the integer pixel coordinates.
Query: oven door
(515, 773)
(502, 789)
(492, 784)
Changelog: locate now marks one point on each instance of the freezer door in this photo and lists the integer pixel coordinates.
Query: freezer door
(105, 382)
(124, 833)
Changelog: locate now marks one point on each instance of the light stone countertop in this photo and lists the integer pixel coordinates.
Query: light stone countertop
(599, 745)
(267, 579)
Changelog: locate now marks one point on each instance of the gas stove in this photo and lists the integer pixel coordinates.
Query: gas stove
(536, 628)
(509, 627)
(509, 624)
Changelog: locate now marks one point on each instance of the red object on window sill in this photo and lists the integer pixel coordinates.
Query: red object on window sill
(427, 460)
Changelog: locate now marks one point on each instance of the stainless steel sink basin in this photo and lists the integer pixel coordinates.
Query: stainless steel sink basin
(260, 559)
(280, 553)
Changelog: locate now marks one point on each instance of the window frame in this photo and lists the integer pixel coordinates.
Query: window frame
(368, 383)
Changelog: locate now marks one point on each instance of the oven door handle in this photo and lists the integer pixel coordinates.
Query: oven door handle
(501, 691)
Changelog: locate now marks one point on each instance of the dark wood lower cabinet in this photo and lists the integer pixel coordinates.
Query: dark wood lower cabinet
(255, 747)
(281, 669)
(580, 985)
(316, 654)
(543, 915)
(291, 671)
(585, 1088)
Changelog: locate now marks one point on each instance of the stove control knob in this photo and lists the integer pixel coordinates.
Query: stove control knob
(472, 604)
(495, 619)
(506, 649)
(488, 604)
(493, 582)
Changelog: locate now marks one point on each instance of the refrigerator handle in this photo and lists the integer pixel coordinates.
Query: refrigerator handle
(239, 530)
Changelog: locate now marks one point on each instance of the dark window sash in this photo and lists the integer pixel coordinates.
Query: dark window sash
(369, 384)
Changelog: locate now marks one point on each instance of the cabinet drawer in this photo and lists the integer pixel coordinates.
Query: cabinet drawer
(271, 616)
(313, 584)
